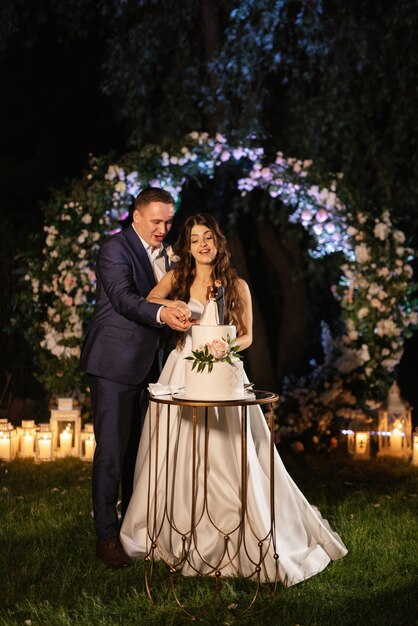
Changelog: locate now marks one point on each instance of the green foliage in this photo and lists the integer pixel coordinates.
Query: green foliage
(50, 574)
(155, 64)
(204, 357)
(334, 82)
(351, 103)
(220, 69)
(260, 40)
(69, 21)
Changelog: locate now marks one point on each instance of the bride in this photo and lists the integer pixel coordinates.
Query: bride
(290, 543)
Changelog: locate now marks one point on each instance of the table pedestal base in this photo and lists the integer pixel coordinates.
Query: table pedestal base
(238, 541)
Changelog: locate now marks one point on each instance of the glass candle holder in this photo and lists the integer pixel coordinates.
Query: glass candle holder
(26, 434)
(44, 451)
(87, 443)
(7, 441)
(66, 441)
(415, 447)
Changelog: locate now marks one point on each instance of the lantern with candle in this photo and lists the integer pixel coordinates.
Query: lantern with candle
(44, 450)
(14, 439)
(65, 426)
(395, 426)
(359, 436)
(415, 447)
(8, 446)
(87, 443)
(27, 435)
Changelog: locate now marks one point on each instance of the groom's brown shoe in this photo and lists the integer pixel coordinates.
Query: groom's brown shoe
(112, 553)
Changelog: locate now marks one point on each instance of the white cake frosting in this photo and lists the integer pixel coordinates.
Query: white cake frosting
(225, 381)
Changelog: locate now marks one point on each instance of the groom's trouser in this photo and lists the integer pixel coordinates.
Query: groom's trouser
(118, 416)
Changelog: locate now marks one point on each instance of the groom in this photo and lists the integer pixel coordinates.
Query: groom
(121, 355)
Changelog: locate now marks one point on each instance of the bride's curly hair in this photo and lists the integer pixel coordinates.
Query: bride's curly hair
(185, 270)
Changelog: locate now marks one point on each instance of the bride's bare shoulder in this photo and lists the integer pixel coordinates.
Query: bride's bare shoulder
(243, 285)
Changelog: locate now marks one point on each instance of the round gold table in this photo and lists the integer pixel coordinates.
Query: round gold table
(154, 527)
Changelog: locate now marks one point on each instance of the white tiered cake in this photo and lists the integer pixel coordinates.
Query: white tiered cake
(218, 380)
(225, 381)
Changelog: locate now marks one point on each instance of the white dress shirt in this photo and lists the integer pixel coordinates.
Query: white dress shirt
(157, 261)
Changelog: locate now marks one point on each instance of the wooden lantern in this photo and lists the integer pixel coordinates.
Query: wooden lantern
(26, 434)
(415, 447)
(65, 426)
(359, 437)
(395, 426)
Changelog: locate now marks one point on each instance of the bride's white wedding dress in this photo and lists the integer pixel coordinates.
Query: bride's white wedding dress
(226, 539)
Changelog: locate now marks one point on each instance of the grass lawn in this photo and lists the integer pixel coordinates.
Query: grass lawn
(49, 573)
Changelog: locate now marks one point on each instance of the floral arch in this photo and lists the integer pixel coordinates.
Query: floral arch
(374, 289)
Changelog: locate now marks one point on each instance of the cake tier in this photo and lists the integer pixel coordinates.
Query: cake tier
(202, 335)
(224, 382)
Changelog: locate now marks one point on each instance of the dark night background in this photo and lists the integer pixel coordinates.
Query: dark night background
(53, 116)
(335, 83)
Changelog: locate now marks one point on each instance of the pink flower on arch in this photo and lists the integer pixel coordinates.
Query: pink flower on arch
(306, 215)
(322, 215)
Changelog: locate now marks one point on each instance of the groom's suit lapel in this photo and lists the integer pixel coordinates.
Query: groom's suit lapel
(140, 253)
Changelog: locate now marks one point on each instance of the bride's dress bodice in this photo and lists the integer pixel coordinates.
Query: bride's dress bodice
(196, 308)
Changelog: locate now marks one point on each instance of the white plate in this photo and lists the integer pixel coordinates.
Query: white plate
(182, 395)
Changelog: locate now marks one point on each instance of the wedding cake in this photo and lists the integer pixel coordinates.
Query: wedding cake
(209, 376)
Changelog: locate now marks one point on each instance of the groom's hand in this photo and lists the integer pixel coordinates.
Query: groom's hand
(175, 318)
(178, 304)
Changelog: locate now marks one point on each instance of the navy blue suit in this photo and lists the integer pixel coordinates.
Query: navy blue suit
(121, 356)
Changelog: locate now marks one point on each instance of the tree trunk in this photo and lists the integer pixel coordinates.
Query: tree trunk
(258, 358)
(286, 263)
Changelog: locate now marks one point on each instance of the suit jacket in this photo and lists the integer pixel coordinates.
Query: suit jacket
(122, 337)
